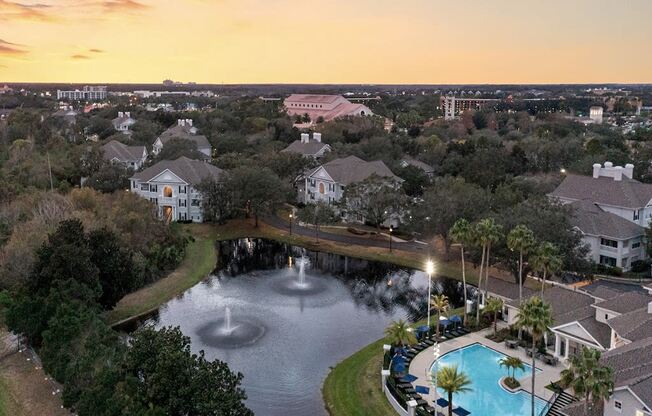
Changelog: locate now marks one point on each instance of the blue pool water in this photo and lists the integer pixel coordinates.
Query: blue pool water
(488, 398)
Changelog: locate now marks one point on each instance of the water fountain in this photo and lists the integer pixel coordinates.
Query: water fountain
(299, 282)
(231, 333)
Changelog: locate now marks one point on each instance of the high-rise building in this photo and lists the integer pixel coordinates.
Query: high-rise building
(453, 106)
(90, 93)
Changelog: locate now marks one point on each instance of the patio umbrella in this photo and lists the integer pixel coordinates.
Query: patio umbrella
(445, 322)
(423, 328)
(441, 402)
(460, 411)
(399, 367)
(456, 319)
(409, 378)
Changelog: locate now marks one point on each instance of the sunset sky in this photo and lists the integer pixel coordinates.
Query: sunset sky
(335, 41)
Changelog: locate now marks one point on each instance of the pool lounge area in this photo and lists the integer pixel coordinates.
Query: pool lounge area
(478, 357)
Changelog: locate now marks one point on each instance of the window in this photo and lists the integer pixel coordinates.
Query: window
(182, 189)
(321, 188)
(636, 244)
(623, 262)
(609, 261)
(606, 316)
(609, 243)
(637, 214)
(182, 202)
(618, 405)
(144, 187)
(167, 192)
(153, 188)
(154, 200)
(194, 203)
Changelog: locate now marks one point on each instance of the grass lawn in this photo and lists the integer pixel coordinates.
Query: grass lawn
(352, 388)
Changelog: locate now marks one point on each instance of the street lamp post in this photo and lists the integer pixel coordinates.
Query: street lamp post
(390, 238)
(291, 216)
(435, 353)
(430, 269)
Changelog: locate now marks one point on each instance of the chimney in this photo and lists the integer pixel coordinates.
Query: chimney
(127, 114)
(596, 170)
(189, 122)
(629, 171)
(120, 114)
(618, 173)
(181, 122)
(305, 137)
(316, 137)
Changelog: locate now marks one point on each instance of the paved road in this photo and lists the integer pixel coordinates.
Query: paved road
(276, 222)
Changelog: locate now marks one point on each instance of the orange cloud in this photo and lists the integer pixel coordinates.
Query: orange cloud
(11, 49)
(79, 56)
(93, 50)
(123, 6)
(10, 10)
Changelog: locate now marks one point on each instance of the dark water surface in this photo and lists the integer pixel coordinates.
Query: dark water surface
(285, 330)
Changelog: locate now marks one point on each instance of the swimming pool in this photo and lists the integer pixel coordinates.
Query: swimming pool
(487, 398)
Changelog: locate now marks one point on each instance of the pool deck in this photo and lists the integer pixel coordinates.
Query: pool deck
(420, 365)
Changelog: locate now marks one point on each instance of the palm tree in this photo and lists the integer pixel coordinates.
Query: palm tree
(452, 381)
(546, 260)
(588, 378)
(494, 305)
(400, 334)
(534, 316)
(440, 303)
(520, 239)
(487, 233)
(462, 234)
(512, 363)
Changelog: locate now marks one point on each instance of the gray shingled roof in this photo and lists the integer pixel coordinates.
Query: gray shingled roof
(626, 302)
(633, 326)
(632, 367)
(577, 409)
(593, 220)
(567, 305)
(307, 149)
(352, 169)
(119, 120)
(507, 289)
(190, 170)
(116, 150)
(184, 132)
(626, 193)
(605, 289)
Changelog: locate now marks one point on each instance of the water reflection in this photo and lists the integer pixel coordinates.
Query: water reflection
(374, 285)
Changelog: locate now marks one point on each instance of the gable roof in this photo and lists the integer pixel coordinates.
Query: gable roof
(119, 120)
(352, 169)
(593, 220)
(633, 326)
(627, 193)
(190, 170)
(507, 289)
(626, 302)
(632, 368)
(307, 149)
(116, 150)
(184, 132)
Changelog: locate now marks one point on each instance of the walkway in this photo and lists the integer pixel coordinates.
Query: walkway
(276, 222)
(420, 365)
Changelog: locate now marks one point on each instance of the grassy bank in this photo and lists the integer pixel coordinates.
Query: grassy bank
(199, 261)
(352, 388)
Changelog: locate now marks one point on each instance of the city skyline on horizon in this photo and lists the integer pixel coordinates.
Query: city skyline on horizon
(362, 43)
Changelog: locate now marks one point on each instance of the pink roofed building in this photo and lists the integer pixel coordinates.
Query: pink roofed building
(329, 107)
